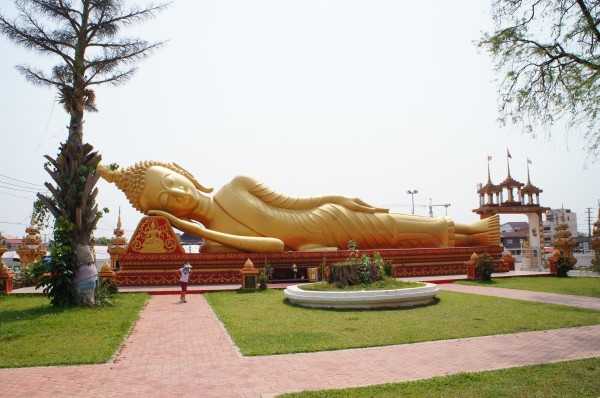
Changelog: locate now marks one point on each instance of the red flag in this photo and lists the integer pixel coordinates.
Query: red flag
(508, 154)
(489, 158)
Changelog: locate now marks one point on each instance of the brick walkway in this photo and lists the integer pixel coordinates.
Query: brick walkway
(182, 350)
(551, 298)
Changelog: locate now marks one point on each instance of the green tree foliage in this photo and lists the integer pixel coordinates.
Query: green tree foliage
(485, 267)
(56, 276)
(84, 36)
(548, 54)
(103, 241)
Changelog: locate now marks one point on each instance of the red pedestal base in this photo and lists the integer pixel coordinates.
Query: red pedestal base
(154, 255)
(221, 268)
(471, 273)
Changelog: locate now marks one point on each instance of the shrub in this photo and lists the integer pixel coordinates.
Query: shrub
(105, 289)
(563, 266)
(596, 262)
(263, 279)
(265, 274)
(55, 275)
(323, 270)
(389, 269)
(484, 267)
(24, 276)
(268, 270)
(111, 285)
(356, 270)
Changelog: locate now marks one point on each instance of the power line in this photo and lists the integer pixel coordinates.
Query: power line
(16, 196)
(20, 190)
(24, 182)
(16, 185)
(12, 223)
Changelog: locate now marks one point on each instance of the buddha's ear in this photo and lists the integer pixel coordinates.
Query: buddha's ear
(189, 175)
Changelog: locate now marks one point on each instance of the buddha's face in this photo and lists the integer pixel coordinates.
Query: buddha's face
(168, 191)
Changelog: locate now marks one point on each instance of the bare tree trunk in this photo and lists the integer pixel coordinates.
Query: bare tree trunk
(343, 275)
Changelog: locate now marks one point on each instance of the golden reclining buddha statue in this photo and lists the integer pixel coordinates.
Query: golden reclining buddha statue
(247, 215)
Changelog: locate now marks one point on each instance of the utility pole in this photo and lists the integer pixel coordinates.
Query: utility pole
(412, 195)
(588, 210)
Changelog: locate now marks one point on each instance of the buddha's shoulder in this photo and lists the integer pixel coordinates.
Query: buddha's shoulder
(245, 181)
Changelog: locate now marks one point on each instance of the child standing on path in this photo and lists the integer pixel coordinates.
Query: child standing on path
(184, 276)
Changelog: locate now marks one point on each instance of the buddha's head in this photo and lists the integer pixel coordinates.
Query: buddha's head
(151, 185)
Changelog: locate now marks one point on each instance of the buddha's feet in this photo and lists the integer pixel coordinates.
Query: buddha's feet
(485, 232)
(490, 234)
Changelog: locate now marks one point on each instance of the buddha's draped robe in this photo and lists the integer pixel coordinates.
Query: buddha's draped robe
(320, 222)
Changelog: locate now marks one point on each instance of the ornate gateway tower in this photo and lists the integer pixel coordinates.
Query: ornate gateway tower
(514, 197)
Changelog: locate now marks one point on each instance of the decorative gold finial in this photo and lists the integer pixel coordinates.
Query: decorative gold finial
(105, 267)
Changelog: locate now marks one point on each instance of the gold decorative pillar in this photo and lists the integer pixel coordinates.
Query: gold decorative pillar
(118, 245)
(6, 275)
(249, 276)
(595, 243)
(3, 247)
(106, 273)
(31, 250)
(471, 263)
(563, 242)
(553, 261)
(509, 261)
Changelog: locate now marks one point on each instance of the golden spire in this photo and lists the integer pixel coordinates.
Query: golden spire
(119, 238)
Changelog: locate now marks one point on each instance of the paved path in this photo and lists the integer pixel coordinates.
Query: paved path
(551, 298)
(182, 350)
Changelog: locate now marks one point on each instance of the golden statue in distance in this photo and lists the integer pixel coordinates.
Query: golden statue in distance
(247, 215)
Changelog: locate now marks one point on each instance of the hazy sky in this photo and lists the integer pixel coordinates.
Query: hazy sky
(360, 98)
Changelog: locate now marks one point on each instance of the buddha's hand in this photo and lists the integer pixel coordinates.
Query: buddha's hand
(175, 221)
(357, 204)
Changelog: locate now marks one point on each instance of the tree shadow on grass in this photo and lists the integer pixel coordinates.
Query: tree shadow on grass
(33, 312)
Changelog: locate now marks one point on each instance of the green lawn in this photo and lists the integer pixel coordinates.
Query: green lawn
(264, 323)
(573, 285)
(33, 333)
(573, 379)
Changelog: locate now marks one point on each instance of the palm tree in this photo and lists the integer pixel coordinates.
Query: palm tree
(84, 35)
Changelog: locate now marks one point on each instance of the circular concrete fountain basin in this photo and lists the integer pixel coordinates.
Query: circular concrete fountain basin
(363, 298)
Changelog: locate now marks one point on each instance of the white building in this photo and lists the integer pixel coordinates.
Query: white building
(553, 219)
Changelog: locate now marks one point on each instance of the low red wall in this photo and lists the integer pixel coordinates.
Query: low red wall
(139, 269)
